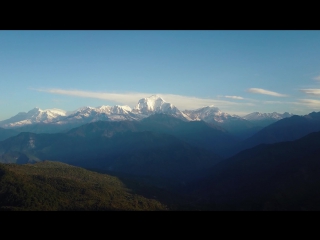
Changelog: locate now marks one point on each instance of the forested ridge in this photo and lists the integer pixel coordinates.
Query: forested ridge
(55, 186)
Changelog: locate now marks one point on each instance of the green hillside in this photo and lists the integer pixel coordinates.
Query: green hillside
(55, 186)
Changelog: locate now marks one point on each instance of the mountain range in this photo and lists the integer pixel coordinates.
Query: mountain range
(279, 176)
(287, 129)
(265, 119)
(194, 159)
(123, 146)
(57, 120)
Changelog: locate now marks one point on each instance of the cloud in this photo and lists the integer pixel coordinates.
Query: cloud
(266, 92)
(186, 102)
(317, 78)
(272, 102)
(234, 97)
(121, 98)
(280, 102)
(314, 92)
(132, 98)
(310, 103)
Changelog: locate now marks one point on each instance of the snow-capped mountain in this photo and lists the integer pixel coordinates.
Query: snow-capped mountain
(265, 119)
(261, 116)
(155, 104)
(144, 108)
(35, 115)
(209, 114)
(232, 123)
(102, 113)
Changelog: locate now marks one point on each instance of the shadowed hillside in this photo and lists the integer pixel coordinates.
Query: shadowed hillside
(287, 129)
(6, 133)
(281, 176)
(113, 146)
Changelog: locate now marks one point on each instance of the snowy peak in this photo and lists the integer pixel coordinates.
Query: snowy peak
(145, 107)
(201, 113)
(156, 104)
(208, 114)
(102, 113)
(104, 109)
(35, 115)
(117, 109)
(121, 109)
(48, 115)
(257, 116)
(153, 103)
(55, 111)
(34, 110)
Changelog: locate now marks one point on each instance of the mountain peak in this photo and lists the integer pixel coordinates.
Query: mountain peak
(154, 97)
(156, 104)
(36, 109)
(262, 116)
(152, 103)
(207, 113)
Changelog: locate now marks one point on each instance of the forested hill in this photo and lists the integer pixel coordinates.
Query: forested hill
(55, 186)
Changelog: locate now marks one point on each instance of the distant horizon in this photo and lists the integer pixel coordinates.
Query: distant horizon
(237, 71)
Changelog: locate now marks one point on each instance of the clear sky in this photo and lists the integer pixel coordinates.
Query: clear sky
(238, 71)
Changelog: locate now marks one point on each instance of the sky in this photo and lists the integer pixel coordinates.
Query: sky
(238, 71)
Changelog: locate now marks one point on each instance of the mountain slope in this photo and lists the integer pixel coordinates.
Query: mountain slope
(197, 133)
(280, 176)
(142, 153)
(6, 133)
(286, 129)
(265, 119)
(234, 124)
(54, 186)
(35, 115)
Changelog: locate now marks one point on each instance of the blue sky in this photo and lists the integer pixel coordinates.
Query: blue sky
(238, 71)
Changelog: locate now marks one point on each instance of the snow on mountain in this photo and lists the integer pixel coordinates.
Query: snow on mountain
(234, 124)
(35, 115)
(115, 109)
(265, 119)
(144, 108)
(256, 116)
(151, 104)
(209, 114)
(156, 104)
(102, 113)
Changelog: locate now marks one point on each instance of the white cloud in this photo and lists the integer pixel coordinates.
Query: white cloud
(121, 98)
(317, 78)
(266, 92)
(132, 98)
(272, 102)
(280, 102)
(234, 97)
(315, 92)
(310, 103)
(188, 102)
